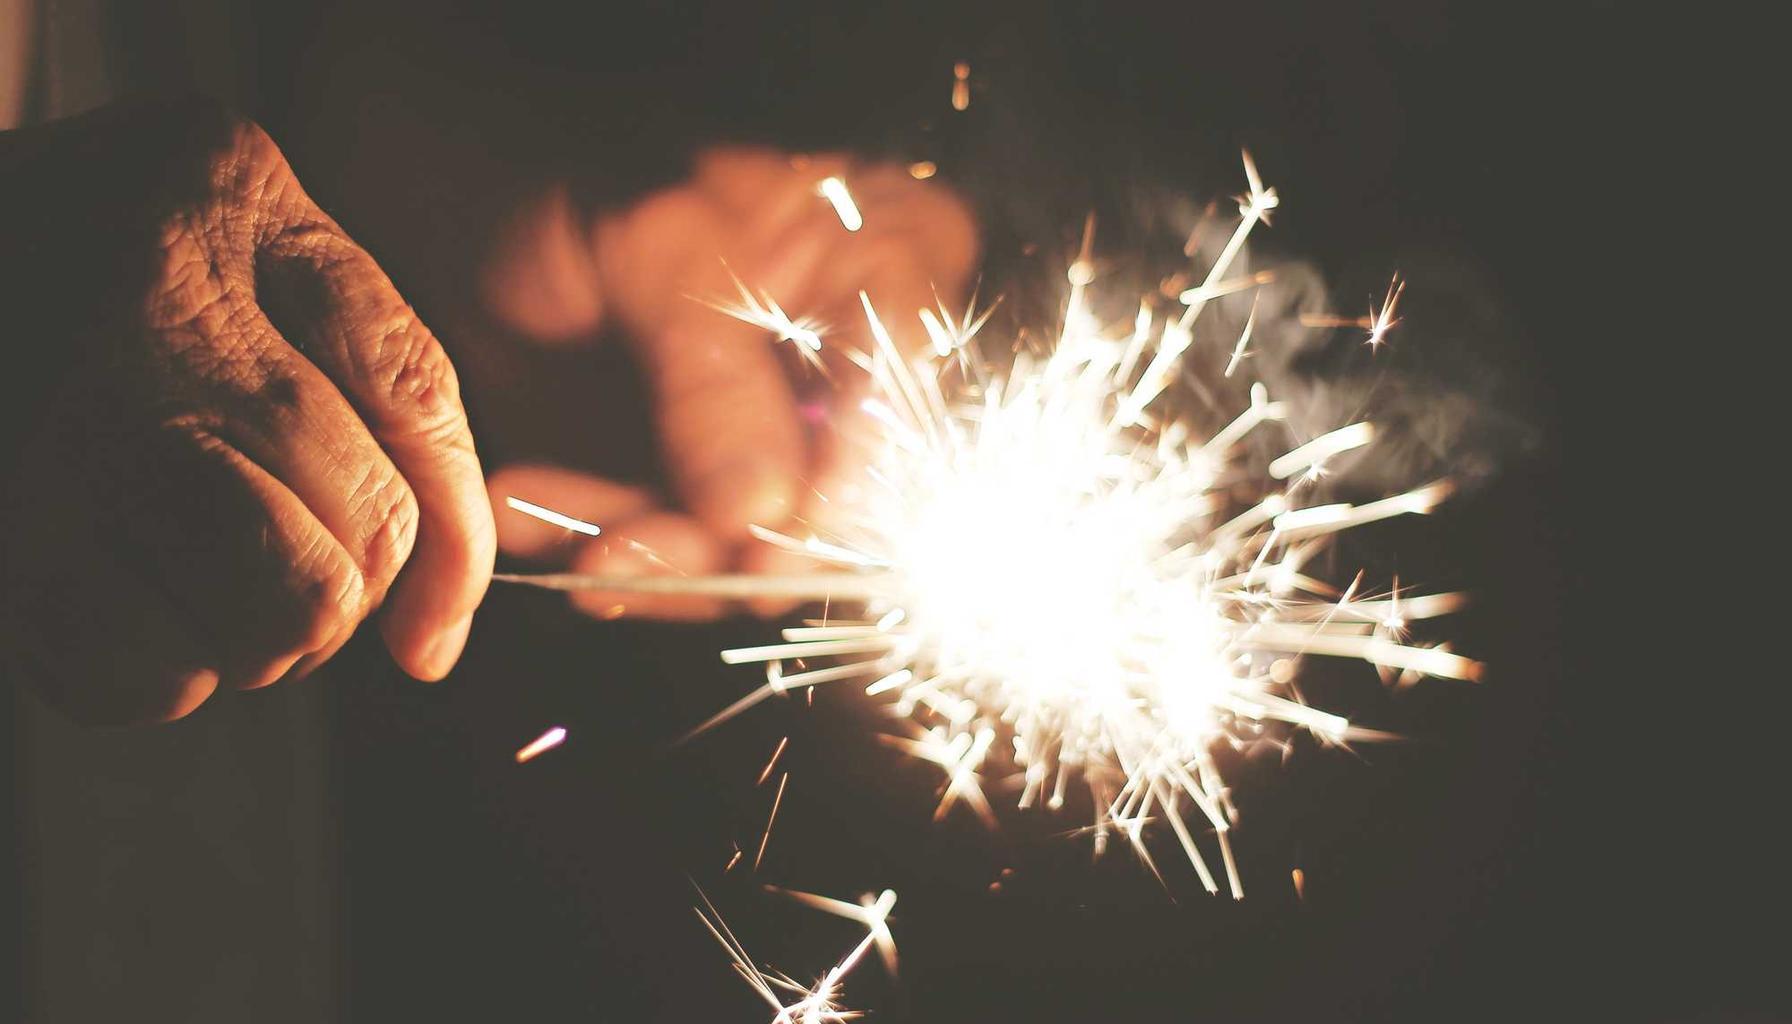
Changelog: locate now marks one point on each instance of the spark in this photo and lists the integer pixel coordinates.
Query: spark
(541, 744)
(1384, 321)
(770, 820)
(872, 912)
(763, 311)
(818, 1003)
(949, 333)
(777, 752)
(1239, 351)
(1321, 448)
(833, 189)
(1378, 323)
(548, 515)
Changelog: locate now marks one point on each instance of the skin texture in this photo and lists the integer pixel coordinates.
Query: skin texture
(745, 430)
(234, 439)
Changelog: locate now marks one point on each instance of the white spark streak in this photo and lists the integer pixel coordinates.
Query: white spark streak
(763, 311)
(833, 189)
(541, 744)
(548, 515)
(1321, 448)
(771, 819)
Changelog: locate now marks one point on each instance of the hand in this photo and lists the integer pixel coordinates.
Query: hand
(238, 439)
(745, 428)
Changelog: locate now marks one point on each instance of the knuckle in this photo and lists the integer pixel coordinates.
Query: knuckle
(329, 602)
(245, 175)
(417, 372)
(235, 149)
(388, 516)
(409, 367)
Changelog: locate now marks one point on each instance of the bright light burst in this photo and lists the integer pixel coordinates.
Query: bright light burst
(1058, 581)
(1055, 581)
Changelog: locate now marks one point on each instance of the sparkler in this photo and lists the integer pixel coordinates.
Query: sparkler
(1052, 577)
(1378, 323)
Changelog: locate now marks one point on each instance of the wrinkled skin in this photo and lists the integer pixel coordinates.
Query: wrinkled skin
(746, 431)
(232, 439)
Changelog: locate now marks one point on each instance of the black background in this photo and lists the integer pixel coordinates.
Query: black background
(1579, 835)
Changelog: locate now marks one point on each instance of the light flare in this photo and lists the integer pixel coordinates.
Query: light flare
(1057, 579)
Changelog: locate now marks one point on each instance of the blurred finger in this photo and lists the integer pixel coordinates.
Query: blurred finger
(727, 421)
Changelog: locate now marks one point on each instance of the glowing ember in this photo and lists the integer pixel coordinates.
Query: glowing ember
(961, 86)
(541, 744)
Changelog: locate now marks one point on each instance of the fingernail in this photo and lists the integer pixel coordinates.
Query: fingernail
(443, 651)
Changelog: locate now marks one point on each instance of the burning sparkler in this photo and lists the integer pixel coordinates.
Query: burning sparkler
(1049, 575)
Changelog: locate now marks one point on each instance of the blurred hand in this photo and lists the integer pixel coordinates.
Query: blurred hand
(243, 440)
(744, 427)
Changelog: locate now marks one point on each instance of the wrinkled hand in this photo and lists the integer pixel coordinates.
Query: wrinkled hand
(241, 441)
(745, 429)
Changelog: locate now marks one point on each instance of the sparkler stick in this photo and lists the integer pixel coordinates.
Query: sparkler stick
(816, 587)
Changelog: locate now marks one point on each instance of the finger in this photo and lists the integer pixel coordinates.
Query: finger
(395, 374)
(254, 575)
(658, 544)
(540, 276)
(595, 500)
(264, 398)
(727, 421)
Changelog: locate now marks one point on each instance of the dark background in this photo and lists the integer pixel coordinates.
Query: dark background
(1575, 837)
